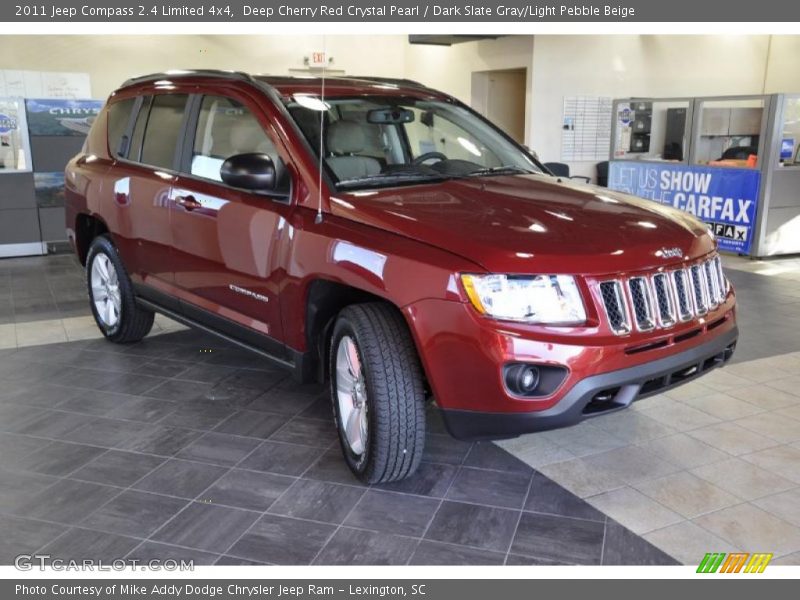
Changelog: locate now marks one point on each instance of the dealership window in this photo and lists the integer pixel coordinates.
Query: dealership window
(225, 128)
(119, 115)
(729, 132)
(653, 130)
(162, 130)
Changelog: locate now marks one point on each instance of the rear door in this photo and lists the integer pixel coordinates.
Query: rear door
(225, 241)
(144, 173)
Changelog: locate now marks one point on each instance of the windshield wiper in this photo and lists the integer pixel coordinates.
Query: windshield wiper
(390, 178)
(501, 170)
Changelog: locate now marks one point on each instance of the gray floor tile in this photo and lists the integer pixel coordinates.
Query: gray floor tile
(623, 547)
(206, 527)
(24, 536)
(437, 553)
(232, 561)
(118, 468)
(197, 415)
(284, 459)
(146, 410)
(492, 488)
(14, 448)
(563, 539)
(67, 501)
(252, 423)
(80, 544)
(486, 455)
(471, 525)
(390, 512)
(59, 458)
(164, 441)
(283, 541)
(431, 479)
(548, 497)
(252, 490)
(445, 449)
(134, 513)
(318, 501)
(17, 487)
(332, 467)
(154, 551)
(219, 449)
(51, 424)
(358, 547)
(310, 432)
(180, 478)
(108, 433)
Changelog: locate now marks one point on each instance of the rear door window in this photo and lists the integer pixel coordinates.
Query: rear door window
(163, 130)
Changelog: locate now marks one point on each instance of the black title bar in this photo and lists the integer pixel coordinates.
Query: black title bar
(324, 11)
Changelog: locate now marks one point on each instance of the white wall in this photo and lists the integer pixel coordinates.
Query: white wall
(557, 66)
(661, 66)
(112, 59)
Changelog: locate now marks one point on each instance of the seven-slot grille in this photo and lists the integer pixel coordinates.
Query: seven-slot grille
(664, 298)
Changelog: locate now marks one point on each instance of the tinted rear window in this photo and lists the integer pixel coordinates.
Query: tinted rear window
(119, 115)
(163, 128)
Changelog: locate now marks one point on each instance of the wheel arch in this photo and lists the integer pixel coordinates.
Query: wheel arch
(87, 228)
(325, 299)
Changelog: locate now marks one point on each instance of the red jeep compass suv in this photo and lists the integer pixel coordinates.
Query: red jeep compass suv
(382, 235)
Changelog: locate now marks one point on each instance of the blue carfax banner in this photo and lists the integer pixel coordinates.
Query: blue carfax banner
(725, 199)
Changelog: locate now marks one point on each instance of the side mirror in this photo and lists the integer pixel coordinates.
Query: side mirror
(251, 171)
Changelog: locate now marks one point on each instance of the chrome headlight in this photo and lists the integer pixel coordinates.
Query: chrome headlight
(547, 299)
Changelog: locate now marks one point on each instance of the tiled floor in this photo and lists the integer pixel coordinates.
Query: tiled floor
(714, 464)
(167, 449)
(183, 447)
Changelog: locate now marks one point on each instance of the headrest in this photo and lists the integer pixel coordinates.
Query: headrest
(346, 137)
(246, 136)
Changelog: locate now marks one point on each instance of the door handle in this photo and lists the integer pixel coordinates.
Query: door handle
(188, 202)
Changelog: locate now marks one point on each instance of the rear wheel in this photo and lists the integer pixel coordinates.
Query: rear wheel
(377, 392)
(113, 305)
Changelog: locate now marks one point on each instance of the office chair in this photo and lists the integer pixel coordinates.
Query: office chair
(602, 173)
(739, 153)
(562, 170)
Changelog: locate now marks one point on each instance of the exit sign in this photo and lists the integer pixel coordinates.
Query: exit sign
(318, 60)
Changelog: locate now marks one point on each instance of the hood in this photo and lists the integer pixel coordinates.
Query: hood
(532, 223)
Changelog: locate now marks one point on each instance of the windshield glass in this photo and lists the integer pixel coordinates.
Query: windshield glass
(385, 141)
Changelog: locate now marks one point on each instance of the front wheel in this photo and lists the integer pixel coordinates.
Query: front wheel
(113, 305)
(377, 392)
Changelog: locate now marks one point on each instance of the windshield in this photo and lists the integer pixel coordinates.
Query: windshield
(385, 141)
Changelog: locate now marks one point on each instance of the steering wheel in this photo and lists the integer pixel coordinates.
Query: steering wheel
(428, 156)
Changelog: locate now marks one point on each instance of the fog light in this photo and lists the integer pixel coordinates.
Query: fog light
(529, 379)
(522, 379)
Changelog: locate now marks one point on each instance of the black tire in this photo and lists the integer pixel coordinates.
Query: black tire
(134, 322)
(395, 393)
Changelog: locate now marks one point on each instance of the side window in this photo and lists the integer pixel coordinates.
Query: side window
(119, 115)
(162, 130)
(226, 128)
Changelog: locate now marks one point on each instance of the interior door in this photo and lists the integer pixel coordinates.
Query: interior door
(225, 241)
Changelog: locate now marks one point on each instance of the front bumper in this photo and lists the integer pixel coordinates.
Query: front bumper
(616, 390)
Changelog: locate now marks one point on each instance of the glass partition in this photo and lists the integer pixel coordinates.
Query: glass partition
(729, 131)
(655, 130)
(790, 132)
(14, 148)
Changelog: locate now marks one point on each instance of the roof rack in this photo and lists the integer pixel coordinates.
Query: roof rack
(237, 75)
(400, 82)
